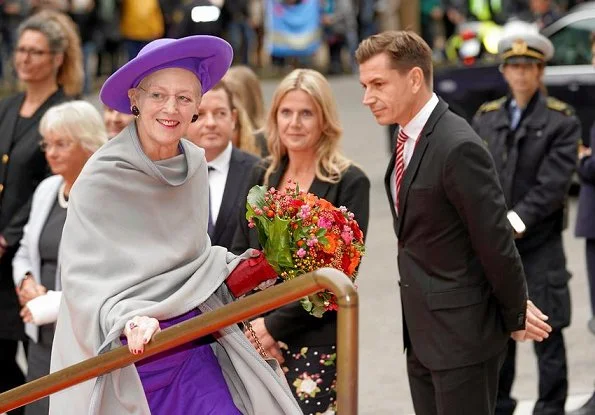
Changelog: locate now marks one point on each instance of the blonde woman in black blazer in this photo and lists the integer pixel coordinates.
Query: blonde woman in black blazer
(303, 138)
(47, 59)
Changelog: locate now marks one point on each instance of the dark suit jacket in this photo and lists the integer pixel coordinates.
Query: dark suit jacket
(462, 284)
(240, 166)
(291, 323)
(585, 218)
(22, 167)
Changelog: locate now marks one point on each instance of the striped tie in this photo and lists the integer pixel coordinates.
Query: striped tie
(400, 163)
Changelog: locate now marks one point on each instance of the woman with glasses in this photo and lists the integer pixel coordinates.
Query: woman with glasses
(135, 256)
(47, 60)
(71, 132)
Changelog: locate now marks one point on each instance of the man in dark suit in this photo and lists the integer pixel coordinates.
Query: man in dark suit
(533, 139)
(463, 289)
(229, 167)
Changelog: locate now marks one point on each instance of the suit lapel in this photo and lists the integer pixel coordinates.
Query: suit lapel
(232, 189)
(9, 123)
(387, 182)
(416, 158)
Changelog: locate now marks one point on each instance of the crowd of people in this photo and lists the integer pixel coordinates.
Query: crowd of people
(155, 191)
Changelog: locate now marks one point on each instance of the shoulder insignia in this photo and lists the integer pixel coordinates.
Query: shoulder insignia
(492, 105)
(560, 106)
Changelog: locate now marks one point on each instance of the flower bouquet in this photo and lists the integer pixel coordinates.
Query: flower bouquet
(300, 232)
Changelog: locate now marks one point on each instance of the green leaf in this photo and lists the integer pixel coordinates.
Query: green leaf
(277, 248)
(306, 304)
(255, 198)
(321, 232)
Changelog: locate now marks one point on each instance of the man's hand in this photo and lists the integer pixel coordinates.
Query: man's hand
(583, 152)
(536, 327)
(139, 331)
(269, 344)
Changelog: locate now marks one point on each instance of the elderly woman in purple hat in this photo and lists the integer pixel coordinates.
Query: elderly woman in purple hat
(135, 255)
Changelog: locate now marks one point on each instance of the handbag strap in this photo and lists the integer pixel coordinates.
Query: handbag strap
(259, 347)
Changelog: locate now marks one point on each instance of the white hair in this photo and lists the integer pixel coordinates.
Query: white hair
(78, 120)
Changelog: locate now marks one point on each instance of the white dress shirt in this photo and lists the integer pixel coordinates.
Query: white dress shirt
(413, 130)
(217, 180)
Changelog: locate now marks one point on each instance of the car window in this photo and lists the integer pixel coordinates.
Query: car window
(573, 44)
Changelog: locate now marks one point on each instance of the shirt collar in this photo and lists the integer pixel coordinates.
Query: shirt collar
(414, 127)
(221, 162)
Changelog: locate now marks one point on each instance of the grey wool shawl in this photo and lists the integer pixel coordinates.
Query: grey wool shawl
(135, 243)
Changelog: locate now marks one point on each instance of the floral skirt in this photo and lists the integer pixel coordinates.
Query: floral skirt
(312, 376)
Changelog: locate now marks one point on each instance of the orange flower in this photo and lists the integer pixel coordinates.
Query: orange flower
(332, 243)
(353, 263)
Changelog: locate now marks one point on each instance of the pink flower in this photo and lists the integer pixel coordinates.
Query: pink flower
(301, 252)
(347, 235)
(325, 223)
(251, 224)
(258, 211)
(312, 242)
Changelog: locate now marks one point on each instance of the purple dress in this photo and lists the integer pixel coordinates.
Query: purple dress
(186, 379)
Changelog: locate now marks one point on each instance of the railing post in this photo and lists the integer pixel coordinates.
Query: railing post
(204, 324)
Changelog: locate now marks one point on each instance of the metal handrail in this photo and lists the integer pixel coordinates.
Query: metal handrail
(204, 324)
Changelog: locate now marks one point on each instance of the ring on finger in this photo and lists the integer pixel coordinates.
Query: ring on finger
(132, 325)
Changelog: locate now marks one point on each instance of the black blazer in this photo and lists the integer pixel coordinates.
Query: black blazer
(291, 323)
(461, 279)
(240, 166)
(22, 167)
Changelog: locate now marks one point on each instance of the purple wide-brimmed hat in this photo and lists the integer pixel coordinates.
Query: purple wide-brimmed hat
(208, 57)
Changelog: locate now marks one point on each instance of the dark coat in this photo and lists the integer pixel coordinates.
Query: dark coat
(585, 218)
(462, 284)
(291, 323)
(22, 167)
(240, 165)
(535, 164)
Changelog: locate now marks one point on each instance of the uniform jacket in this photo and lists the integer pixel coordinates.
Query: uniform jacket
(22, 168)
(535, 163)
(461, 279)
(240, 165)
(291, 324)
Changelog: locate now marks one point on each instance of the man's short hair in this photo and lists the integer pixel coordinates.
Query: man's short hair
(406, 50)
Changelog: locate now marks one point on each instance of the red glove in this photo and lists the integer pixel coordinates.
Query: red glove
(249, 274)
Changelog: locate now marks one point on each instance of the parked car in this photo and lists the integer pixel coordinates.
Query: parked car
(569, 76)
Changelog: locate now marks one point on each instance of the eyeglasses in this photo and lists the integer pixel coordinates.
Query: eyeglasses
(160, 98)
(35, 53)
(60, 145)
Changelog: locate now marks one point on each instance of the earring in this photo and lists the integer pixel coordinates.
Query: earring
(134, 110)
(194, 118)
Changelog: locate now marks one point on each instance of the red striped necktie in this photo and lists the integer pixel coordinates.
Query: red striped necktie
(400, 163)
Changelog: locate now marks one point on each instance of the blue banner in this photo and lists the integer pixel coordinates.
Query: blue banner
(293, 30)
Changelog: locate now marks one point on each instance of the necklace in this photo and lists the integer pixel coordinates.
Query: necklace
(62, 201)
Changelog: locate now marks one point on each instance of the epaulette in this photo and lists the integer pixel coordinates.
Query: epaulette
(560, 106)
(492, 105)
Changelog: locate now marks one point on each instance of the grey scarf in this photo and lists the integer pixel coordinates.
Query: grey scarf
(135, 243)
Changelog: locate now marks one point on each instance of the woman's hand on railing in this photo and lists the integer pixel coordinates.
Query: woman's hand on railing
(139, 331)
(269, 344)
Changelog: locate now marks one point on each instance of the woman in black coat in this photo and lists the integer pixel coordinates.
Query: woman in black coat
(303, 137)
(585, 219)
(48, 62)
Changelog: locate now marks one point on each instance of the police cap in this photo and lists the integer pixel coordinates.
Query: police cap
(522, 43)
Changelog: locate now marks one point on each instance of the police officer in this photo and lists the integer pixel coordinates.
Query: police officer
(533, 139)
